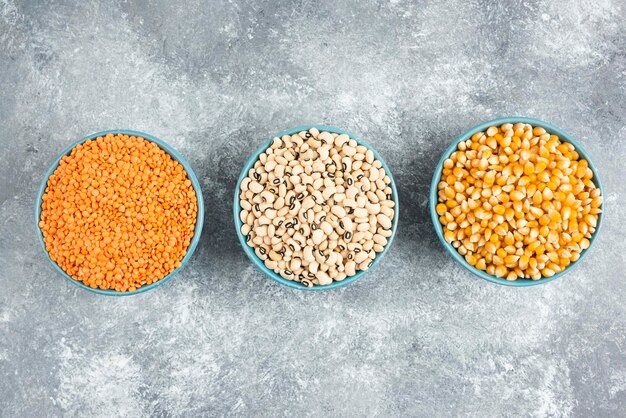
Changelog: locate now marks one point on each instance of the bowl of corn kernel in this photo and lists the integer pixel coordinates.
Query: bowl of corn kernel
(119, 212)
(516, 201)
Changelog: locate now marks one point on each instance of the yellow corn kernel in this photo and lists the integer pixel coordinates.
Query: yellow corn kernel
(500, 271)
(481, 264)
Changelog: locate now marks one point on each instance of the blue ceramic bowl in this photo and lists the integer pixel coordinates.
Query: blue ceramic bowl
(564, 137)
(250, 251)
(190, 174)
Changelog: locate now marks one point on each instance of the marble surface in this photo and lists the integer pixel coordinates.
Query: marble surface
(418, 336)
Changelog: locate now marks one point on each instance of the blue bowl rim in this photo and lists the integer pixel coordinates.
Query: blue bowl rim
(550, 128)
(165, 147)
(250, 252)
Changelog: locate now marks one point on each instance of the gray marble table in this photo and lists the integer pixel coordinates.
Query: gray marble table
(418, 336)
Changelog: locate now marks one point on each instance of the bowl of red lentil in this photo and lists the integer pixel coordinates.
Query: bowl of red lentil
(516, 201)
(119, 212)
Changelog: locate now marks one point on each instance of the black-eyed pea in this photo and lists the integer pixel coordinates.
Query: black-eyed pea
(317, 197)
(380, 240)
(323, 153)
(323, 278)
(373, 175)
(338, 211)
(331, 258)
(260, 231)
(350, 268)
(314, 133)
(295, 265)
(361, 200)
(287, 274)
(279, 170)
(372, 198)
(270, 213)
(245, 184)
(340, 140)
(255, 187)
(328, 183)
(325, 137)
(346, 224)
(358, 236)
(320, 216)
(373, 223)
(328, 192)
(365, 265)
(368, 245)
(349, 203)
(386, 211)
(295, 180)
(360, 212)
(245, 229)
(318, 236)
(352, 192)
(307, 254)
(276, 143)
(346, 164)
(348, 150)
(338, 198)
(262, 207)
(326, 228)
(297, 140)
(261, 253)
(243, 215)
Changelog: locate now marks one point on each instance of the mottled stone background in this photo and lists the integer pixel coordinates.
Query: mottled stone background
(418, 336)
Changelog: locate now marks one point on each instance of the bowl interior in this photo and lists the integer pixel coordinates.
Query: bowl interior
(564, 137)
(249, 250)
(175, 155)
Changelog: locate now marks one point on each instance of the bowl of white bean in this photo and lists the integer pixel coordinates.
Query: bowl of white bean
(315, 208)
